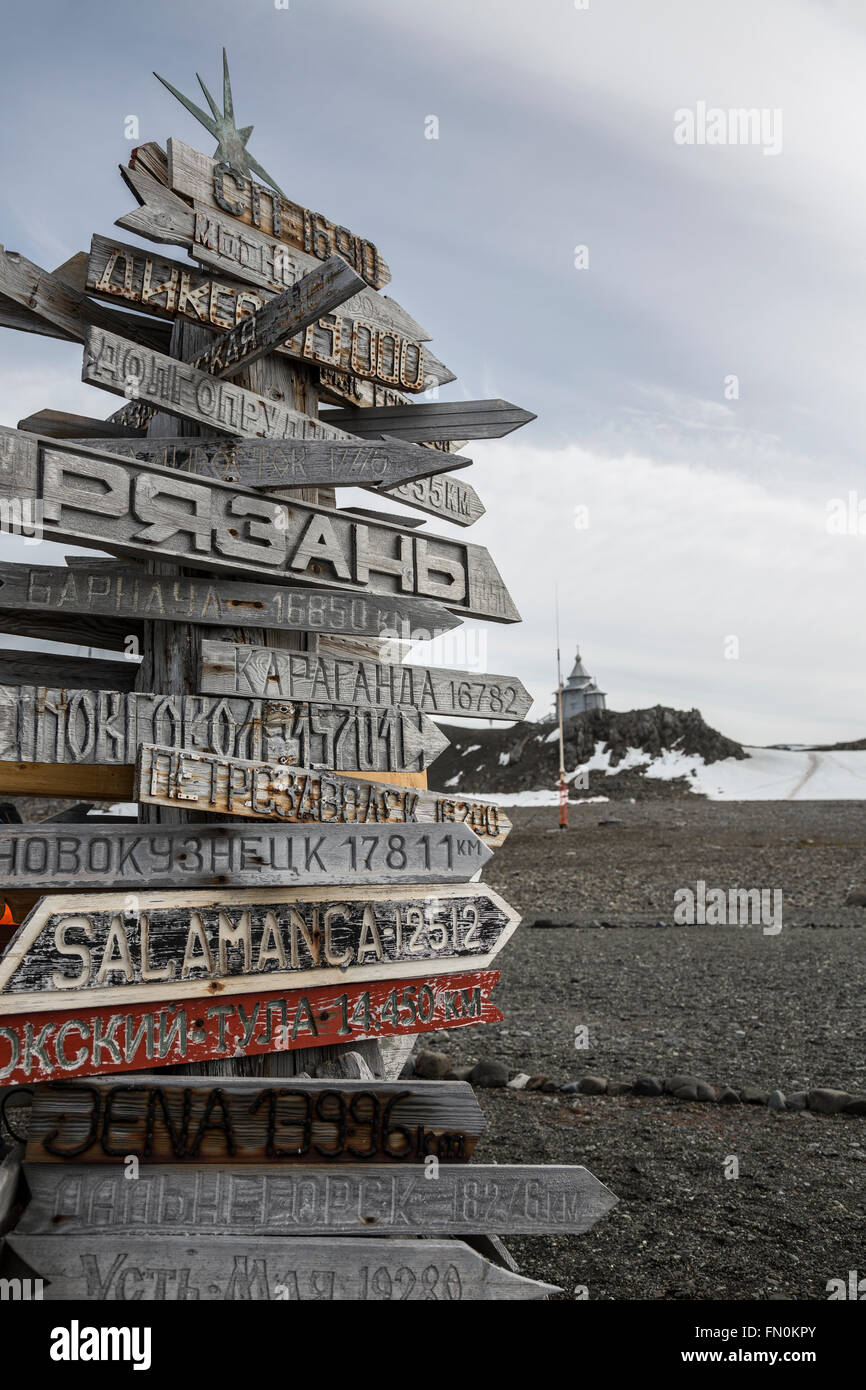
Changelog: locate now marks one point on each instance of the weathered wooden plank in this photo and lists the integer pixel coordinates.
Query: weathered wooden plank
(257, 334)
(243, 253)
(279, 319)
(27, 668)
(97, 1041)
(45, 724)
(93, 602)
(440, 495)
(66, 782)
(121, 948)
(37, 292)
(434, 420)
(59, 424)
(179, 389)
(376, 1200)
(229, 669)
(168, 1119)
(51, 856)
(127, 507)
(237, 787)
(198, 178)
(343, 1269)
(106, 634)
(373, 349)
(10, 1176)
(391, 518)
(272, 463)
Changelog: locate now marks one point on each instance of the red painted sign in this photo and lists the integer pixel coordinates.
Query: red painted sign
(94, 1042)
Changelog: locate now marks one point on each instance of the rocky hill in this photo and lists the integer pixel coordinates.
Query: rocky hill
(525, 757)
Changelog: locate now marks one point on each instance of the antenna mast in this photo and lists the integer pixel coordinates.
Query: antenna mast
(563, 786)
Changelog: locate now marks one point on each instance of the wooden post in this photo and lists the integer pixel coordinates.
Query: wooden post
(171, 659)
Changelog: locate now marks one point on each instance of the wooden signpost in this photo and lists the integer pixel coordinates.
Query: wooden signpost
(441, 495)
(50, 856)
(361, 336)
(323, 939)
(99, 596)
(154, 379)
(38, 302)
(230, 669)
(197, 178)
(248, 1120)
(434, 420)
(28, 668)
(273, 463)
(241, 787)
(42, 724)
(244, 253)
(121, 948)
(97, 1040)
(348, 1269)
(253, 1201)
(94, 498)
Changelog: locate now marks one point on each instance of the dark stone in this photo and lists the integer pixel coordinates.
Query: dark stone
(753, 1095)
(593, 1085)
(856, 1106)
(432, 1066)
(648, 1086)
(728, 1096)
(825, 1101)
(680, 1079)
(618, 1088)
(489, 1073)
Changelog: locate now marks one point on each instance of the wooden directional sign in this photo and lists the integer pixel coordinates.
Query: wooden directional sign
(272, 463)
(154, 379)
(440, 495)
(61, 424)
(237, 1120)
(194, 176)
(99, 1040)
(434, 420)
(229, 669)
(244, 253)
(101, 596)
(124, 948)
(343, 1269)
(95, 498)
(362, 336)
(375, 1200)
(50, 856)
(28, 668)
(238, 787)
(38, 302)
(45, 724)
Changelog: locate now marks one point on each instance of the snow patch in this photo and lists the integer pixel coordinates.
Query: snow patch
(504, 759)
(473, 748)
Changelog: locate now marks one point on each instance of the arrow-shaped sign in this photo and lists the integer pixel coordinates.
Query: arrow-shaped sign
(264, 672)
(434, 420)
(100, 500)
(273, 791)
(41, 724)
(127, 948)
(102, 596)
(362, 336)
(280, 463)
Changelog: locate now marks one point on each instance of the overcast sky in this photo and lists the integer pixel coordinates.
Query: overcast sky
(682, 523)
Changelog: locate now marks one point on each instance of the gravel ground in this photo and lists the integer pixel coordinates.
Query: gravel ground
(727, 1004)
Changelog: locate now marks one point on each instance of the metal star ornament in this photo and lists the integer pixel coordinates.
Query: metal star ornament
(231, 142)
